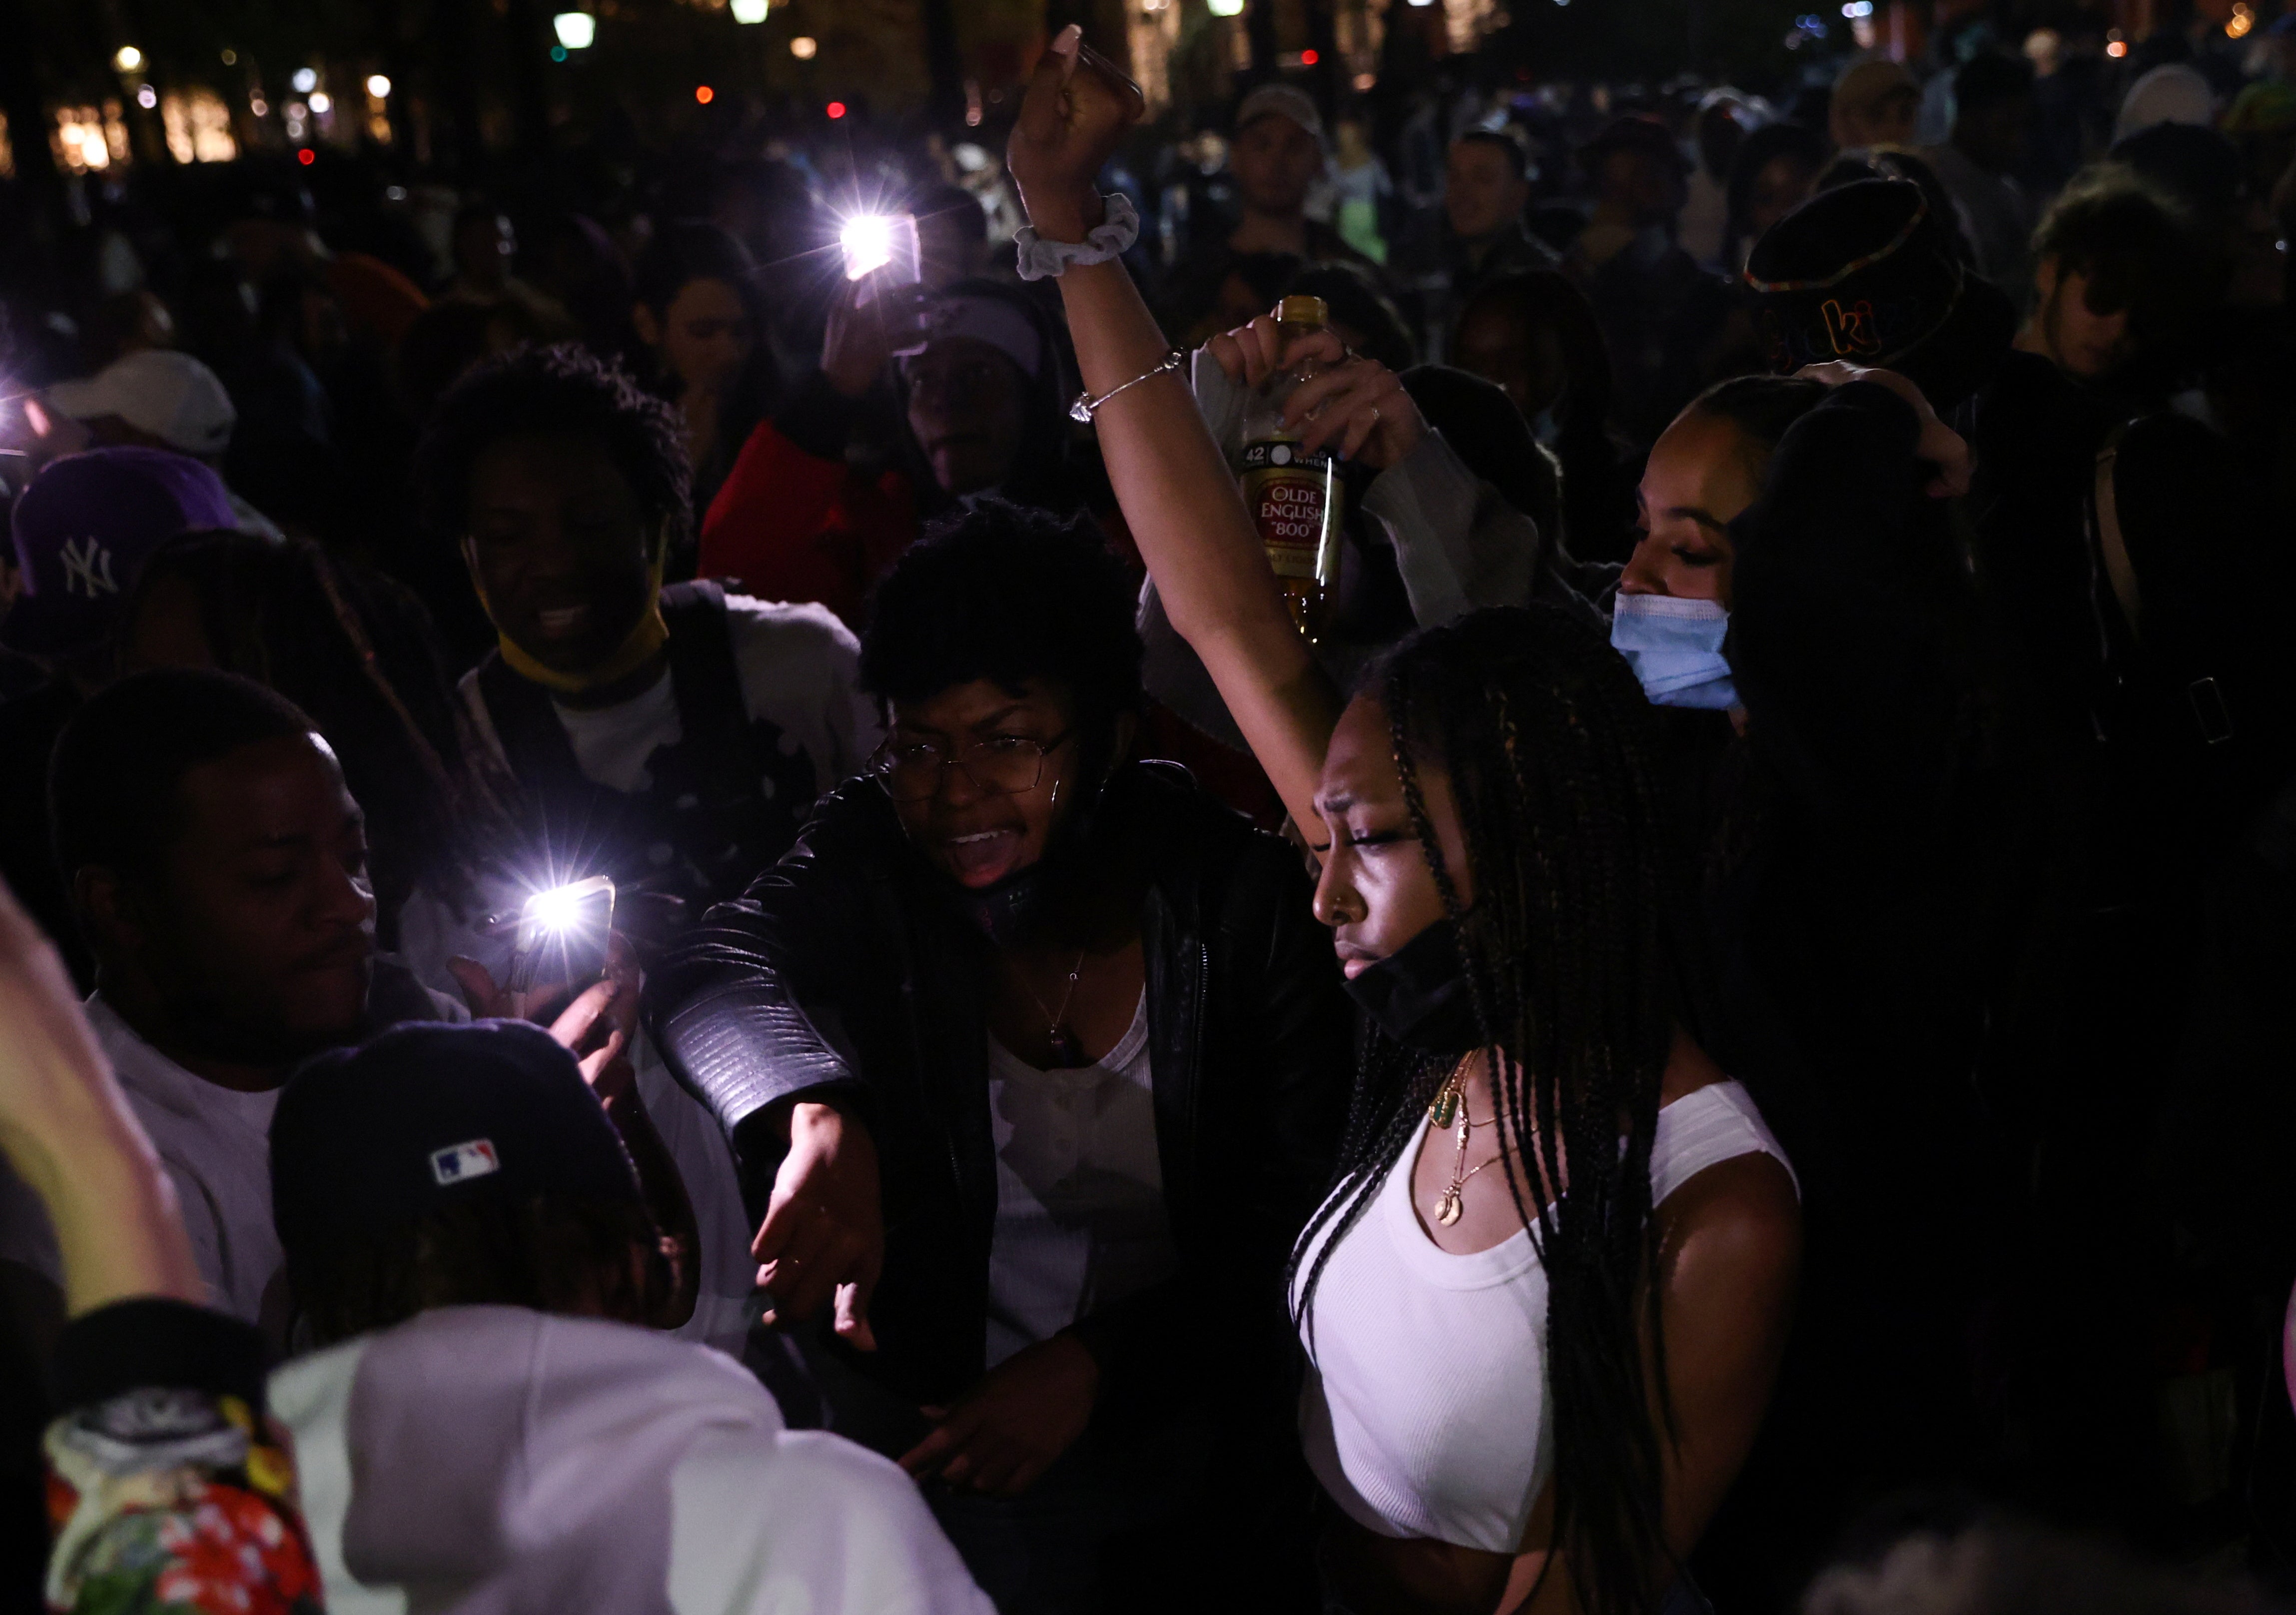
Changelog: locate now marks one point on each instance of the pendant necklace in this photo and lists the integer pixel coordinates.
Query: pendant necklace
(1450, 1103)
(1067, 1051)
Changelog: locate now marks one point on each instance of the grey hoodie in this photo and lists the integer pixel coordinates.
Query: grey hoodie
(494, 1461)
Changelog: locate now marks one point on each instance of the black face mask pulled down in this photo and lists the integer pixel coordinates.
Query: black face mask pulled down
(1029, 902)
(1017, 906)
(1418, 994)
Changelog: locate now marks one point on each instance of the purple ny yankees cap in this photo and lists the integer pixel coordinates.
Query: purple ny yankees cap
(84, 528)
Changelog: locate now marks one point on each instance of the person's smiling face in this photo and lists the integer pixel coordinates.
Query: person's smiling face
(1702, 475)
(975, 834)
(1376, 890)
(560, 544)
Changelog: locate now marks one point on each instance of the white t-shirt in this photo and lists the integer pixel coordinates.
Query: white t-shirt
(215, 1144)
(800, 668)
(725, 1303)
(1425, 1409)
(1080, 1216)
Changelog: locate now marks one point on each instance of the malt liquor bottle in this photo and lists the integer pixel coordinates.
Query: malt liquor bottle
(1294, 496)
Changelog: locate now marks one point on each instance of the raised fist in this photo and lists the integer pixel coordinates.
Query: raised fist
(1077, 109)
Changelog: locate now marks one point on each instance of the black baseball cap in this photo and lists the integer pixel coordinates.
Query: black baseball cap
(1867, 273)
(427, 1115)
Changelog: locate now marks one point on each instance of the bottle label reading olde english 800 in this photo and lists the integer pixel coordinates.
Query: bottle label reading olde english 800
(1285, 486)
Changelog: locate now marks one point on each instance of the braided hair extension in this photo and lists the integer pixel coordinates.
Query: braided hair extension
(1566, 934)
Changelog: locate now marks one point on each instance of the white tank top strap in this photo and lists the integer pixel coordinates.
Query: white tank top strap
(1704, 1128)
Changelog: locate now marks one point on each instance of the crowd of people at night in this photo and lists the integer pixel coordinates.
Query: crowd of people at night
(687, 923)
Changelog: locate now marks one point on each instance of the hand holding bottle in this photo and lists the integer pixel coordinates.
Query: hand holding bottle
(1353, 405)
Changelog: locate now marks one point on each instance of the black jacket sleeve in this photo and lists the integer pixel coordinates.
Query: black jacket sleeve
(744, 1008)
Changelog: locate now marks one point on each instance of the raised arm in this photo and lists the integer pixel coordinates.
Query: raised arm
(1178, 497)
(67, 1131)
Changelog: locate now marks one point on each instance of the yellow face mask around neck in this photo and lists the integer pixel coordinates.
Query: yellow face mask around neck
(647, 637)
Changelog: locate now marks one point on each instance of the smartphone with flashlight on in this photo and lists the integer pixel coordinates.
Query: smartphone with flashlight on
(883, 255)
(884, 245)
(561, 936)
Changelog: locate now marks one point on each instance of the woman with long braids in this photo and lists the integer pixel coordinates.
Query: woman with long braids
(1546, 1297)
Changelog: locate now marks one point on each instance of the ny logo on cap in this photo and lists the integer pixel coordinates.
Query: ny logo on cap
(456, 1163)
(87, 569)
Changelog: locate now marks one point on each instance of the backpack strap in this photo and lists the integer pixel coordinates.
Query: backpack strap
(533, 740)
(712, 711)
(2113, 548)
(2175, 657)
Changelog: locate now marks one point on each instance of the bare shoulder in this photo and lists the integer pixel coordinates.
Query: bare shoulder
(1735, 1226)
(1745, 1209)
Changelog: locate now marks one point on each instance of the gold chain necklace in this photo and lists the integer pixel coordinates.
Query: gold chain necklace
(1449, 1104)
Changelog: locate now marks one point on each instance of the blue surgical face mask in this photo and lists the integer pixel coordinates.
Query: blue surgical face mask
(1675, 647)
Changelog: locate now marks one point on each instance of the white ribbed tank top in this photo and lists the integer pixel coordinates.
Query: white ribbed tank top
(1425, 1409)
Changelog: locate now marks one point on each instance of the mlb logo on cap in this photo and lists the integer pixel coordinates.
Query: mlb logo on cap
(363, 1141)
(456, 1163)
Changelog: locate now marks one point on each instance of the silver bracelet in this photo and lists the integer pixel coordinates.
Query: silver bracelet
(1041, 259)
(1081, 410)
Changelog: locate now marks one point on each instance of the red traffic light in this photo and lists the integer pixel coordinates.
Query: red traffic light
(703, 93)
(836, 109)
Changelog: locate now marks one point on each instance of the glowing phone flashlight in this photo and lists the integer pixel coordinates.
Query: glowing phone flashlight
(561, 935)
(881, 242)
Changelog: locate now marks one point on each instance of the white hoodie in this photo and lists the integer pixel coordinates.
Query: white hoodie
(495, 1461)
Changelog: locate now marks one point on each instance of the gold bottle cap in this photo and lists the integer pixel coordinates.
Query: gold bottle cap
(1303, 311)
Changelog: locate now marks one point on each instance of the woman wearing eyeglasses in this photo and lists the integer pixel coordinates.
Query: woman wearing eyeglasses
(1038, 1043)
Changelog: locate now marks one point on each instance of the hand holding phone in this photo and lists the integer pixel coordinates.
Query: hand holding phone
(562, 935)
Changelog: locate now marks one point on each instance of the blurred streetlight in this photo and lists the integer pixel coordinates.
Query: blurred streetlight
(575, 29)
(127, 59)
(750, 11)
(378, 86)
(804, 48)
(305, 81)
(320, 102)
(1230, 8)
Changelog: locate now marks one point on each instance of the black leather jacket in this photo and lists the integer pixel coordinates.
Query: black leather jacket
(850, 970)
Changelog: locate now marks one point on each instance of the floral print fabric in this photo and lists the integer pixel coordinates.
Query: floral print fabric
(175, 1501)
